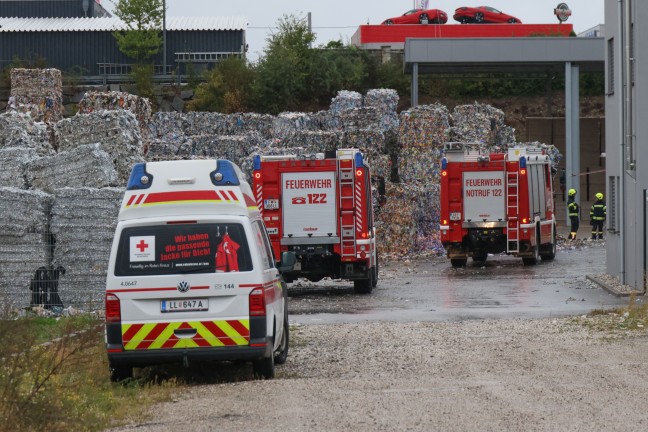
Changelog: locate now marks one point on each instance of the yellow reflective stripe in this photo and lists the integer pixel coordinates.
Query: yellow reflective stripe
(139, 336)
(207, 335)
(165, 335)
(233, 334)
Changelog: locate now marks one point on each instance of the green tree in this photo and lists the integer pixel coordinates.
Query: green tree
(141, 40)
(143, 19)
(283, 73)
(228, 87)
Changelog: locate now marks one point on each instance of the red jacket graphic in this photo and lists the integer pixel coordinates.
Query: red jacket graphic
(227, 255)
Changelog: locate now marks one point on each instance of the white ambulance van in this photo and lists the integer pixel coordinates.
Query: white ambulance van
(192, 275)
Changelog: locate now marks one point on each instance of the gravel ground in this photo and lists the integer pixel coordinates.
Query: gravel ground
(568, 374)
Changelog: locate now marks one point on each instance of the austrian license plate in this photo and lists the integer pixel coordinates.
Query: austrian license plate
(455, 216)
(184, 305)
(271, 204)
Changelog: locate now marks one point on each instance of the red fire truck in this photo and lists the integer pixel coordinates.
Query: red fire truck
(319, 207)
(497, 202)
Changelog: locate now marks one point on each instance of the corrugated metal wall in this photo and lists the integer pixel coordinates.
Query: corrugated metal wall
(65, 50)
(45, 8)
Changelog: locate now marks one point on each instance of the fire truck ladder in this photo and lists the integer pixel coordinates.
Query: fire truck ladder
(513, 224)
(347, 206)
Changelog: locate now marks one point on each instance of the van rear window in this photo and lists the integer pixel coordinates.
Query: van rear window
(182, 248)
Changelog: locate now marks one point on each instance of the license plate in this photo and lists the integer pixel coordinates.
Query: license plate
(273, 231)
(271, 204)
(455, 216)
(184, 305)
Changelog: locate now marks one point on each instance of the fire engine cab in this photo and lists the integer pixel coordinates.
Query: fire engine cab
(497, 202)
(319, 206)
(191, 274)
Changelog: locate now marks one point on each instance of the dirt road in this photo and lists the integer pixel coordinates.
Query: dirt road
(513, 375)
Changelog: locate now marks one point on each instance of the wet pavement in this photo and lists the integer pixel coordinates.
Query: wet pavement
(429, 289)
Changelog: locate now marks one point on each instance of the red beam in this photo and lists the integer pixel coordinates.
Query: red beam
(371, 34)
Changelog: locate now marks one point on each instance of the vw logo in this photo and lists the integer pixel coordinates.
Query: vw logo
(183, 286)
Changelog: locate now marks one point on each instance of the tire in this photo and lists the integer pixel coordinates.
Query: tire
(464, 20)
(536, 253)
(551, 253)
(389, 22)
(481, 258)
(364, 286)
(458, 262)
(120, 373)
(479, 17)
(264, 368)
(512, 21)
(281, 355)
(424, 19)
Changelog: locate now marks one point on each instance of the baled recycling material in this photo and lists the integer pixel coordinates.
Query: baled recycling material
(24, 242)
(117, 132)
(38, 92)
(83, 224)
(86, 165)
(20, 130)
(14, 166)
(86, 155)
(101, 101)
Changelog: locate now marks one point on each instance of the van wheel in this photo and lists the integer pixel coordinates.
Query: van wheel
(120, 373)
(364, 286)
(550, 250)
(281, 355)
(458, 262)
(533, 260)
(264, 368)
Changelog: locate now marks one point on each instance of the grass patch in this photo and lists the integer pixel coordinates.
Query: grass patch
(63, 384)
(632, 317)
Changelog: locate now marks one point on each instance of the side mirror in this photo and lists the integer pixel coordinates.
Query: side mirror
(288, 260)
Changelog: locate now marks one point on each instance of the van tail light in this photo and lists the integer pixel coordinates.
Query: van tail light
(257, 302)
(113, 309)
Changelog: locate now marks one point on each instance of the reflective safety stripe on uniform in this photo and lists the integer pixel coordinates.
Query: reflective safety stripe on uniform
(207, 334)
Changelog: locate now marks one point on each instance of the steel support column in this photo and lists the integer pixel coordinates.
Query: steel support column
(415, 87)
(572, 130)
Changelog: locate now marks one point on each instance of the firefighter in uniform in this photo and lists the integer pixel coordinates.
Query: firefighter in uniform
(574, 213)
(597, 217)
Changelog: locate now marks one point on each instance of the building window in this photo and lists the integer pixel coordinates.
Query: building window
(610, 67)
(612, 205)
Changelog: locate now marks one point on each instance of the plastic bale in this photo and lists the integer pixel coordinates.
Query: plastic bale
(14, 160)
(83, 224)
(424, 126)
(20, 130)
(38, 92)
(24, 242)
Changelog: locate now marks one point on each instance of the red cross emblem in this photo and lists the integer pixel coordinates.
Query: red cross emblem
(142, 245)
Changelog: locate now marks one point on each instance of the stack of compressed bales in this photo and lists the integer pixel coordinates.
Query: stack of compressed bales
(167, 125)
(481, 123)
(288, 123)
(86, 165)
(39, 92)
(396, 222)
(14, 162)
(235, 148)
(344, 101)
(20, 130)
(384, 99)
(244, 123)
(423, 132)
(100, 101)
(83, 224)
(313, 141)
(117, 132)
(204, 123)
(24, 242)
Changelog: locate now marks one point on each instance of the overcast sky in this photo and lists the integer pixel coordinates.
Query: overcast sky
(339, 19)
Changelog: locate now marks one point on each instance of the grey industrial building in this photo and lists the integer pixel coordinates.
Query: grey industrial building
(85, 46)
(626, 52)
